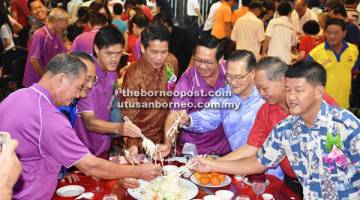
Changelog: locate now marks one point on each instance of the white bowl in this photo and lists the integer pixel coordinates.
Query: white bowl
(267, 196)
(212, 197)
(224, 194)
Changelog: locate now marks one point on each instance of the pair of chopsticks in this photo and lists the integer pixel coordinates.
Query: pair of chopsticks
(186, 167)
(145, 138)
(140, 133)
(173, 127)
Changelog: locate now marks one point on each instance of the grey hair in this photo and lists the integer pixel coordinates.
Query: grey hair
(83, 55)
(66, 63)
(274, 67)
(58, 14)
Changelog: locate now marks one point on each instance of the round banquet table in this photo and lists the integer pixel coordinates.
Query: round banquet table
(276, 187)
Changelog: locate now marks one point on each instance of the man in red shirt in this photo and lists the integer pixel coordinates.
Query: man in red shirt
(270, 81)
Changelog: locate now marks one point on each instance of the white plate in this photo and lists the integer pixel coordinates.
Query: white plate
(246, 180)
(191, 193)
(70, 191)
(226, 182)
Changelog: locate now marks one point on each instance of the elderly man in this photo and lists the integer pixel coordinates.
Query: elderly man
(92, 123)
(301, 15)
(46, 139)
(45, 44)
(306, 138)
(70, 111)
(206, 76)
(150, 73)
(270, 80)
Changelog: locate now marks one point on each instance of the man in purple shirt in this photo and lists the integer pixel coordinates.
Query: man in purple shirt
(45, 44)
(85, 41)
(206, 76)
(46, 139)
(92, 123)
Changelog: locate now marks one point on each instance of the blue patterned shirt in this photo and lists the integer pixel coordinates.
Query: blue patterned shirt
(237, 121)
(306, 150)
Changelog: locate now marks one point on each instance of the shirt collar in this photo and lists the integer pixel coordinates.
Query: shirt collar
(147, 68)
(345, 45)
(251, 14)
(49, 32)
(101, 74)
(254, 94)
(338, 56)
(320, 117)
(44, 92)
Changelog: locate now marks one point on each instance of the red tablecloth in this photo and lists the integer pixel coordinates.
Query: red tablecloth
(276, 187)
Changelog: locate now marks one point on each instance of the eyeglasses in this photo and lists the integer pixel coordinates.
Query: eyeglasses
(237, 78)
(92, 80)
(205, 62)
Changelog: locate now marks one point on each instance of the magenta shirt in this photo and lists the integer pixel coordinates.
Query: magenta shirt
(99, 102)
(45, 44)
(46, 141)
(215, 141)
(84, 42)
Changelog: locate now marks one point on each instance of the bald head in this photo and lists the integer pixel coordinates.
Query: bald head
(300, 7)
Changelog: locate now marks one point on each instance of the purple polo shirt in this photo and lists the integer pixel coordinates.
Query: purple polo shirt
(45, 44)
(84, 42)
(98, 101)
(215, 141)
(46, 141)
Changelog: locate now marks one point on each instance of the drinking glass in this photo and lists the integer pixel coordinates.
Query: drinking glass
(110, 197)
(258, 188)
(97, 189)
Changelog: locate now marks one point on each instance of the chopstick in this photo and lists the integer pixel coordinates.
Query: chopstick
(187, 167)
(140, 133)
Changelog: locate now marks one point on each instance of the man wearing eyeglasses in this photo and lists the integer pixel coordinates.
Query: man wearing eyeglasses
(91, 79)
(237, 121)
(207, 75)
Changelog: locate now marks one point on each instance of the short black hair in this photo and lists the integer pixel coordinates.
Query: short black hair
(83, 55)
(212, 42)
(30, 1)
(117, 9)
(246, 55)
(334, 21)
(154, 31)
(108, 36)
(140, 20)
(340, 9)
(313, 72)
(66, 63)
(83, 12)
(255, 4)
(284, 9)
(97, 19)
(95, 7)
(311, 27)
(163, 18)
